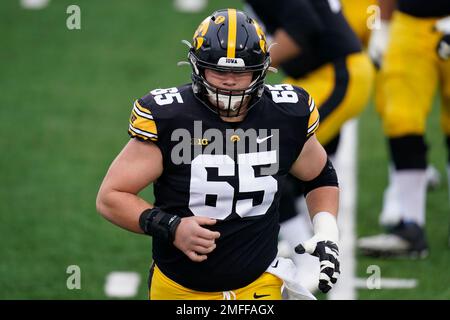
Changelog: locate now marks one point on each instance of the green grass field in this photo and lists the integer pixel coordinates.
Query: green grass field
(65, 100)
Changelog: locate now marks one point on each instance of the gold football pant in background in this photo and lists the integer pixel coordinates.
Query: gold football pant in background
(409, 77)
(341, 90)
(357, 14)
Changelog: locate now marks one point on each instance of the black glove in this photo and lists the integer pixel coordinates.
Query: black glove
(328, 254)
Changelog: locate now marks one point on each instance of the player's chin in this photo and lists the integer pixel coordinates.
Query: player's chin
(228, 113)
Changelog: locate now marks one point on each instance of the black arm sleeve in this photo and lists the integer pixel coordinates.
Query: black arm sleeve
(326, 178)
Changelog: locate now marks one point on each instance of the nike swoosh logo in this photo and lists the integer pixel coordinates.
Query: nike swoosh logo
(258, 140)
(275, 265)
(258, 296)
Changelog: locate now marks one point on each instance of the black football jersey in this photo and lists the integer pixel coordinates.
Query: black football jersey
(318, 26)
(425, 8)
(232, 172)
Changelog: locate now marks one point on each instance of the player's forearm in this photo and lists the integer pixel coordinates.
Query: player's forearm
(122, 208)
(323, 199)
(285, 49)
(323, 204)
(387, 7)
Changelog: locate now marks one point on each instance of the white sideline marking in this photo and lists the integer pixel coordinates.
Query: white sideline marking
(346, 168)
(122, 284)
(388, 283)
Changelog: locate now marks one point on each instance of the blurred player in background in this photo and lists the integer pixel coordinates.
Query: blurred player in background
(357, 13)
(364, 16)
(215, 220)
(317, 50)
(414, 65)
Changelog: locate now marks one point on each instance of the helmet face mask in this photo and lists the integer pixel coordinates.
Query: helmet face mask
(229, 41)
(226, 100)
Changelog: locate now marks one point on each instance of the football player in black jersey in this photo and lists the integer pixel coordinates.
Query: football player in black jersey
(217, 152)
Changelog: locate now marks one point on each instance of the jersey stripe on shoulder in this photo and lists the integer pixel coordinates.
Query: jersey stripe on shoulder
(142, 124)
(311, 104)
(138, 109)
(141, 134)
(314, 118)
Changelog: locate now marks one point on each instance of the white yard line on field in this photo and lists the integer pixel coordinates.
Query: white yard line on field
(122, 284)
(346, 168)
(387, 283)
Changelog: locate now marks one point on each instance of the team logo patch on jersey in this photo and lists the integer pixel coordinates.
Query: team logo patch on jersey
(200, 141)
(261, 140)
(235, 138)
